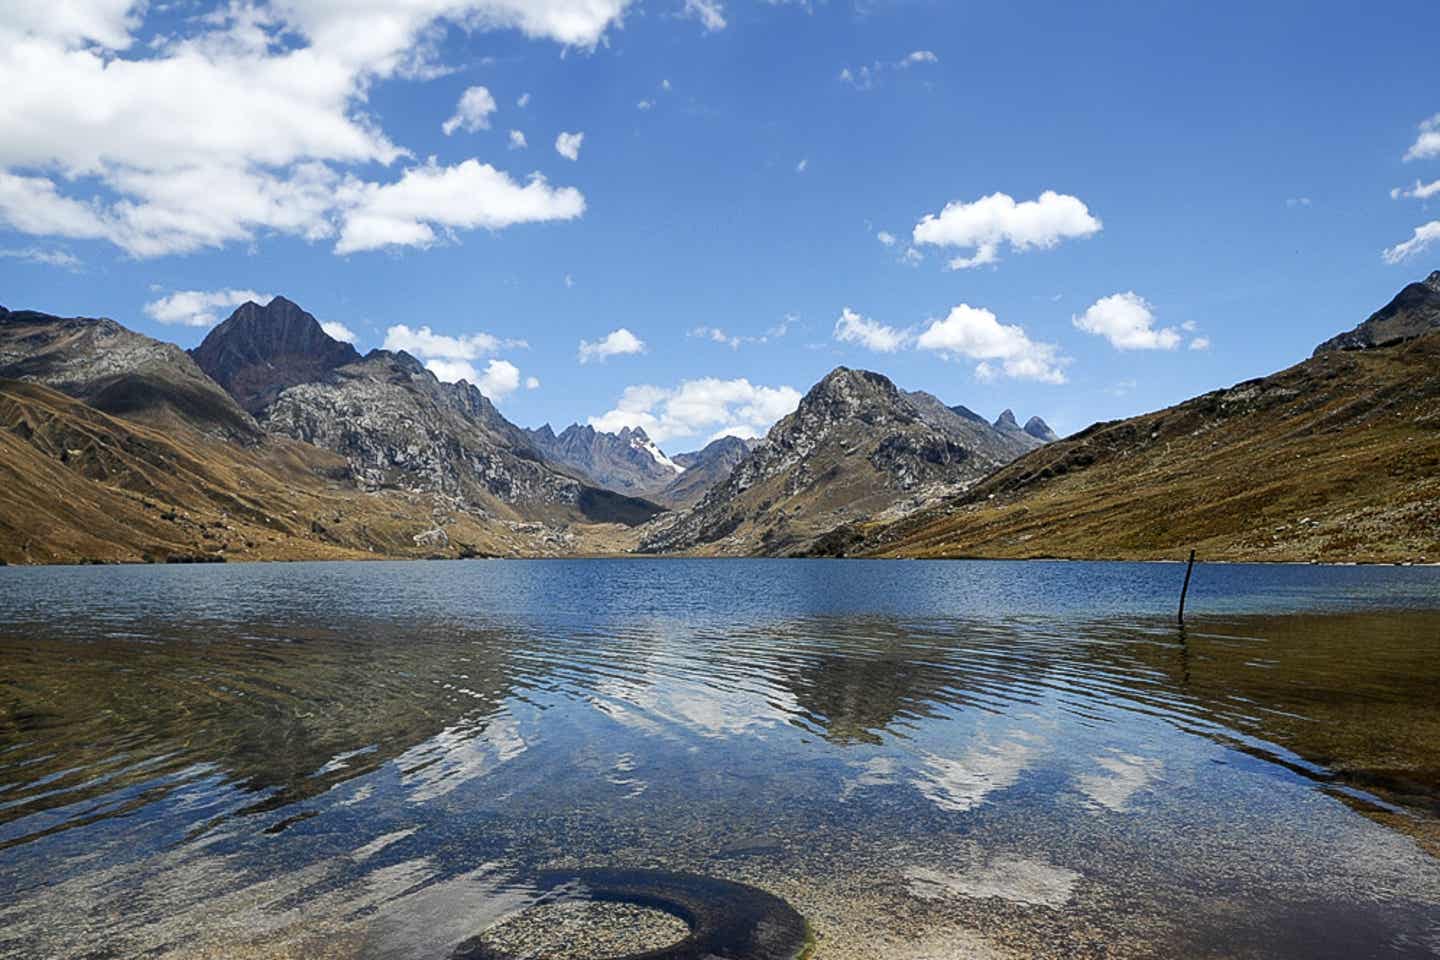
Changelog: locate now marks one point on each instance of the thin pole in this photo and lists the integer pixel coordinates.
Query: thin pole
(1186, 588)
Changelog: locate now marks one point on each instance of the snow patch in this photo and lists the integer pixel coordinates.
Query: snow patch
(648, 446)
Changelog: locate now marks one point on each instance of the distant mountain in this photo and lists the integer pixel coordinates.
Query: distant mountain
(1040, 430)
(1336, 458)
(120, 372)
(996, 443)
(855, 447)
(1414, 311)
(259, 351)
(627, 462)
(703, 469)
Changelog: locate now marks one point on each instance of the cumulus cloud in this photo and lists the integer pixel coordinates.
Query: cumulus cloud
(1420, 191)
(984, 225)
(1128, 322)
(338, 331)
(887, 238)
(472, 113)
(532, 383)
(468, 195)
(1200, 343)
(974, 333)
(198, 308)
(614, 344)
(250, 121)
(1427, 144)
(697, 409)
(568, 145)
(710, 13)
(1419, 242)
(853, 328)
(517, 140)
(425, 343)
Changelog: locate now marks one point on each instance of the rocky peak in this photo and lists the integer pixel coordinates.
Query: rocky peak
(260, 351)
(1040, 430)
(1007, 421)
(1415, 311)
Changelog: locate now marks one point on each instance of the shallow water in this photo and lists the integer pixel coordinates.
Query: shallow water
(927, 759)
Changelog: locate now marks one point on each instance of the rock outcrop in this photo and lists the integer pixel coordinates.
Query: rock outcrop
(1414, 312)
(260, 351)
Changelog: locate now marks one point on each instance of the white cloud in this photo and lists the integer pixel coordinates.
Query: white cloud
(710, 13)
(517, 140)
(500, 379)
(803, 165)
(568, 145)
(614, 344)
(1427, 144)
(997, 219)
(472, 113)
(866, 76)
(453, 371)
(523, 100)
(197, 308)
(1297, 201)
(886, 237)
(645, 105)
(976, 334)
(734, 342)
(425, 343)
(246, 122)
(853, 328)
(338, 331)
(50, 258)
(468, 195)
(1128, 322)
(1419, 242)
(708, 407)
(1420, 191)
(532, 383)
(1200, 343)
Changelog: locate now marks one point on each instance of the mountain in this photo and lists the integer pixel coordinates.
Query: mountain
(399, 427)
(1414, 311)
(77, 484)
(703, 469)
(855, 447)
(627, 462)
(259, 351)
(996, 443)
(1336, 458)
(120, 372)
(1040, 430)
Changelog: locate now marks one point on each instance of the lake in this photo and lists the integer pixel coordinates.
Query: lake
(923, 759)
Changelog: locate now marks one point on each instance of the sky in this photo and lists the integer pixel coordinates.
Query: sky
(681, 214)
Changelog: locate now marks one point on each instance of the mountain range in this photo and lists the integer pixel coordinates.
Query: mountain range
(273, 440)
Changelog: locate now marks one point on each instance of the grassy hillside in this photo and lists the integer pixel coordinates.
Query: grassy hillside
(1334, 459)
(80, 485)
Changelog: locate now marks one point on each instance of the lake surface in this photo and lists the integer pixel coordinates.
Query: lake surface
(925, 759)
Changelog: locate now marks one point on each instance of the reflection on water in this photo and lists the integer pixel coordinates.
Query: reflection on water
(368, 760)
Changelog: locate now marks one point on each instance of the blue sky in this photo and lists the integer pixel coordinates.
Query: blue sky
(1187, 198)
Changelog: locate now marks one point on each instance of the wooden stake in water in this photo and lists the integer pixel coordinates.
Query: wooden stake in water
(1186, 588)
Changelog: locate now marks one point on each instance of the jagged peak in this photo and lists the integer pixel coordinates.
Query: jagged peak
(1006, 420)
(1040, 430)
(1433, 281)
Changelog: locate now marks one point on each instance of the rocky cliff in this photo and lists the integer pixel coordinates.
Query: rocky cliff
(1414, 311)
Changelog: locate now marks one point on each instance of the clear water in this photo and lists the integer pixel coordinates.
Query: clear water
(927, 759)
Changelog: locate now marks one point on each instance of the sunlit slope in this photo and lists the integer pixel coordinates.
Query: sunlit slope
(1334, 459)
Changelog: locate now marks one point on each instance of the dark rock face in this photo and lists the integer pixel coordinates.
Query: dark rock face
(1007, 422)
(118, 371)
(703, 469)
(260, 351)
(1414, 312)
(1040, 430)
(626, 462)
(856, 446)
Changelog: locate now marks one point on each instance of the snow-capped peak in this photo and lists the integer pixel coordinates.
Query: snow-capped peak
(644, 443)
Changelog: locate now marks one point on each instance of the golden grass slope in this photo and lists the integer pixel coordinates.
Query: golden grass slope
(80, 485)
(1335, 459)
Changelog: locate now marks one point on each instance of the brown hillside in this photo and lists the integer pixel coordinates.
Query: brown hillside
(1334, 459)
